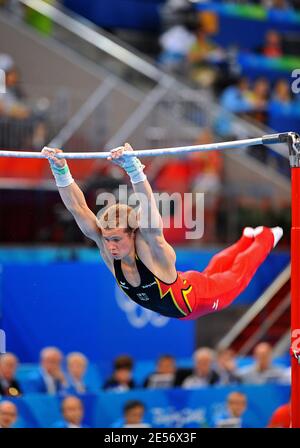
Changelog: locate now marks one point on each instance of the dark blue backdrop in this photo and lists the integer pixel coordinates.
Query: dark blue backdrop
(136, 14)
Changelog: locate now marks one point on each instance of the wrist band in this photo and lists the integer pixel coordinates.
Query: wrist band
(134, 169)
(62, 176)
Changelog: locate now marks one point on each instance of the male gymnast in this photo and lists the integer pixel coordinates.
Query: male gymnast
(142, 261)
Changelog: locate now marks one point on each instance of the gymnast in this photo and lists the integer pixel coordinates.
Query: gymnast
(134, 249)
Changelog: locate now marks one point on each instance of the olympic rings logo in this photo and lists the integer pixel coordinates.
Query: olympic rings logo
(137, 316)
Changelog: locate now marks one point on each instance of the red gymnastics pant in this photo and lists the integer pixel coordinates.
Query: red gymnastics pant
(227, 274)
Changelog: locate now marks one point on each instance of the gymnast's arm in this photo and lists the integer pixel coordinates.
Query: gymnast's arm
(75, 202)
(72, 196)
(151, 224)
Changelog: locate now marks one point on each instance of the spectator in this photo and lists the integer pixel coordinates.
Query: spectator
(226, 367)
(204, 56)
(9, 386)
(281, 417)
(259, 98)
(12, 100)
(272, 46)
(281, 101)
(76, 366)
(23, 124)
(121, 379)
(164, 376)
(72, 413)
(262, 371)
(175, 44)
(235, 97)
(50, 379)
(133, 416)
(8, 414)
(204, 374)
(278, 5)
(233, 416)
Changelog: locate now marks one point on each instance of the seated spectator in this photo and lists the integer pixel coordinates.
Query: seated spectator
(12, 100)
(226, 367)
(9, 386)
(50, 378)
(164, 376)
(233, 416)
(235, 97)
(281, 101)
(76, 367)
(175, 44)
(133, 416)
(263, 371)
(281, 417)
(72, 413)
(272, 46)
(259, 98)
(121, 379)
(278, 5)
(204, 374)
(204, 57)
(8, 414)
(23, 123)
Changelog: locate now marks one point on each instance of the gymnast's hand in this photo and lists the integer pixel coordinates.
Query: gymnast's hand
(116, 155)
(50, 155)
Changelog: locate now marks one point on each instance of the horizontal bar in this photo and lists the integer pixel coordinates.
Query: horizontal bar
(148, 152)
(270, 139)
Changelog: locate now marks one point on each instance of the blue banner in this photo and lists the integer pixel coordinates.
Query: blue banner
(164, 409)
(77, 306)
(135, 14)
(246, 25)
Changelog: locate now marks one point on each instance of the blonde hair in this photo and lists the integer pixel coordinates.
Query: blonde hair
(120, 216)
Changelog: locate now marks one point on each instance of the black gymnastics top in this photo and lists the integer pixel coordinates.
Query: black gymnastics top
(167, 299)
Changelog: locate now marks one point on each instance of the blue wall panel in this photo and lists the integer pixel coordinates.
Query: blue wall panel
(76, 306)
(164, 409)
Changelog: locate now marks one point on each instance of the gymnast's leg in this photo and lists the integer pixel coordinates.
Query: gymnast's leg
(217, 290)
(223, 260)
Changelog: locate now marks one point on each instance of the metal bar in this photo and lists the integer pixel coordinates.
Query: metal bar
(237, 144)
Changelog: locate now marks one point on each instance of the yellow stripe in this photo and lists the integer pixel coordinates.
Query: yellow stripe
(176, 304)
(173, 298)
(185, 292)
